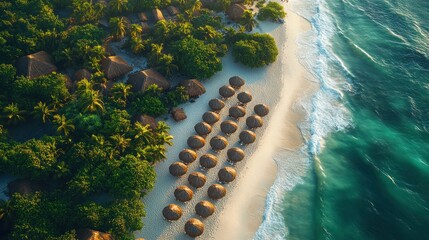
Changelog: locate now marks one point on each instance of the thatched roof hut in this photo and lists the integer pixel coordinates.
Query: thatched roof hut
(211, 117)
(178, 114)
(157, 15)
(35, 65)
(145, 120)
(208, 161)
(228, 127)
(261, 109)
(194, 227)
(23, 187)
(178, 169)
(235, 11)
(237, 112)
(216, 191)
(82, 74)
(142, 16)
(236, 82)
(183, 193)
(216, 104)
(254, 121)
(205, 209)
(172, 10)
(89, 234)
(197, 179)
(247, 137)
(196, 142)
(193, 87)
(187, 156)
(226, 91)
(141, 80)
(227, 174)
(115, 67)
(203, 128)
(172, 212)
(218, 143)
(244, 97)
(235, 154)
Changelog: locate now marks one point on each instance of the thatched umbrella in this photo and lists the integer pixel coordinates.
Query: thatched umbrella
(183, 193)
(205, 209)
(216, 104)
(226, 91)
(208, 161)
(247, 137)
(261, 109)
(216, 191)
(172, 212)
(237, 112)
(218, 143)
(236, 82)
(197, 179)
(254, 121)
(228, 127)
(211, 117)
(157, 15)
(203, 128)
(227, 174)
(244, 97)
(178, 169)
(187, 156)
(196, 142)
(235, 154)
(194, 227)
(178, 114)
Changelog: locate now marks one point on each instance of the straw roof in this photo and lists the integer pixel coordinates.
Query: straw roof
(183, 193)
(235, 11)
(194, 227)
(141, 80)
(211, 117)
(254, 121)
(172, 10)
(157, 14)
(35, 65)
(236, 82)
(196, 142)
(142, 16)
(227, 174)
(187, 156)
(228, 127)
(197, 179)
(235, 154)
(82, 74)
(208, 161)
(216, 191)
(244, 97)
(203, 128)
(145, 120)
(115, 67)
(178, 114)
(218, 143)
(216, 104)
(178, 169)
(247, 136)
(89, 234)
(205, 209)
(23, 187)
(237, 112)
(193, 87)
(172, 212)
(261, 109)
(226, 91)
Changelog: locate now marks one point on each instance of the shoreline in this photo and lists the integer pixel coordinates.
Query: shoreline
(257, 173)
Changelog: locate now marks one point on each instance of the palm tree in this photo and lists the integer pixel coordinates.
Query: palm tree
(162, 127)
(118, 6)
(120, 142)
(248, 20)
(155, 53)
(118, 27)
(13, 114)
(41, 110)
(136, 31)
(120, 92)
(166, 65)
(164, 138)
(152, 153)
(143, 132)
(89, 99)
(64, 126)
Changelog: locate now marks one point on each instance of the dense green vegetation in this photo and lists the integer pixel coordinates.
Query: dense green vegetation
(272, 11)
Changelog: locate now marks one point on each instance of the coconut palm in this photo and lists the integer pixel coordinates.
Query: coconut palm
(120, 92)
(41, 110)
(166, 65)
(162, 127)
(13, 114)
(135, 31)
(248, 20)
(155, 53)
(64, 126)
(164, 138)
(118, 27)
(143, 132)
(89, 99)
(120, 142)
(118, 6)
(152, 153)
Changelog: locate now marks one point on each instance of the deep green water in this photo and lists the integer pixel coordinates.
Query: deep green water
(368, 172)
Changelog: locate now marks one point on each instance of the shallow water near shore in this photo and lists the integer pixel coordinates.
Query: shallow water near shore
(366, 159)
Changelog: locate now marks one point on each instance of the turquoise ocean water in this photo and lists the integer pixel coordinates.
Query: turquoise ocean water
(364, 171)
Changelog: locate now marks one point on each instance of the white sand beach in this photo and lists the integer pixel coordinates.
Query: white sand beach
(240, 213)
